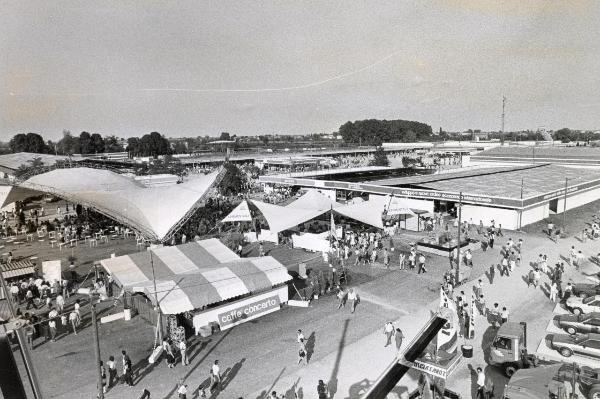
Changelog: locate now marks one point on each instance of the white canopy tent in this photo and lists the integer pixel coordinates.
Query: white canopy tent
(240, 213)
(155, 212)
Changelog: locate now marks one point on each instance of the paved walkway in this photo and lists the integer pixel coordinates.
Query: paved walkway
(350, 369)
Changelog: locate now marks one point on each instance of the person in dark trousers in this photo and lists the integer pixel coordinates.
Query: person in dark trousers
(398, 336)
(145, 394)
(492, 273)
(322, 390)
(127, 372)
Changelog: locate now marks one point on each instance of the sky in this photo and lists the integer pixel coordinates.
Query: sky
(195, 68)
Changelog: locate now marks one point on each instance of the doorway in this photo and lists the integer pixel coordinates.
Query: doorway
(553, 206)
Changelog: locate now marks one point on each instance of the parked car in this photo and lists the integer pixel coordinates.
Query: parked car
(583, 323)
(586, 289)
(582, 344)
(579, 305)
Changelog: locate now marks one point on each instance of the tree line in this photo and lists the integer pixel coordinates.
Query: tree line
(152, 144)
(375, 131)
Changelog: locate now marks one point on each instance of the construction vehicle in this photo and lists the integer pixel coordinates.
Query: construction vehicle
(559, 380)
(508, 349)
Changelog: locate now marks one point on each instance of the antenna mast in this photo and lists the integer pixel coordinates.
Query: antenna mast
(503, 112)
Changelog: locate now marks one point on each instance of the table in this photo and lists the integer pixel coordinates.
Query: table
(105, 238)
(93, 242)
(71, 241)
(30, 237)
(60, 245)
(52, 242)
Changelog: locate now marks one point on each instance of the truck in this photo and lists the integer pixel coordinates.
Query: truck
(508, 349)
(556, 381)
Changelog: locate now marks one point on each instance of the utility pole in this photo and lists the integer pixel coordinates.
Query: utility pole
(458, 244)
(26, 356)
(158, 312)
(503, 113)
(96, 347)
(521, 211)
(565, 207)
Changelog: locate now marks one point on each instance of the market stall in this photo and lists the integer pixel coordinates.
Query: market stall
(203, 279)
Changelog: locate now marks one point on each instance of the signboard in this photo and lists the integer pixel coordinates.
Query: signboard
(430, 369)
(248, 311)
(241, 213)
(52, 271)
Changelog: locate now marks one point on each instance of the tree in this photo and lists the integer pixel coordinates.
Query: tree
(68, 145)
(133, 146)
(375, 132)
(96, 143)
(563, 135)
(379, 158)
(85, 143)
(112, 144)
(233, 181)
(224, 136)
(30, 142)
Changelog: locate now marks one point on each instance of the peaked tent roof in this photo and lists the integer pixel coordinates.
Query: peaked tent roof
(240, 213)
(195, 274)
(313, 199)
(153, 211)
(368, 212)
(282, 218)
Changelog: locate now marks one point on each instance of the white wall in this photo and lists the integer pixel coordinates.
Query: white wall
(535, 214)
(579, 199)
(507, 217)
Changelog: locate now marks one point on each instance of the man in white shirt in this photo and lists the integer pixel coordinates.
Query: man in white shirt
(300, 336)
(183, 350)
(215, 376)
(388, 330)
(182, 391)
(480, 383)
(353, 299)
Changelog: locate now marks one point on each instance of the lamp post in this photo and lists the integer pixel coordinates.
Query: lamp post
(158, 312)
(458, 239)
(564, 221)
(96, 347)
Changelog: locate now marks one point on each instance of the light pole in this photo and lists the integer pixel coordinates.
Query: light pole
(158, 312)
(458, 239)
(564, 221)
(96, 347)
(521, 211)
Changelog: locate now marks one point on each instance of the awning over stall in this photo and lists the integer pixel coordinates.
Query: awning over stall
(282, 218)
(194, 275)
(17, 269)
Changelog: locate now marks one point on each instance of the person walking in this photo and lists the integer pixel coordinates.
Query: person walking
(421, 268)
(113, 376)
(302, 355)
(127, 372)
(52, 327)
(60, 303)
(388, 330)
(480, 384)
(167, 348)
(573, 256)
(492, 273)
(322, 390)
(183, 351)
(553, 292)
(386, 258)
(342, 297)
(215, 377)
(182, 390)
(299, 336)
(504, 269)
(536, 277)
(402, 260)
(73, 321)
(353, 299)
(398, 337)
(504, 315)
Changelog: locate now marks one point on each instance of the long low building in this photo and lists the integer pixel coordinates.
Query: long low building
(513, 196)
(575, 157)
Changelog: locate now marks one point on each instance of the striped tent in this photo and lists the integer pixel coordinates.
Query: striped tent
(16, 269)
(194, 275)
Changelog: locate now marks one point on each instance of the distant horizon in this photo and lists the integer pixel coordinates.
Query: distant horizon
(190, 69)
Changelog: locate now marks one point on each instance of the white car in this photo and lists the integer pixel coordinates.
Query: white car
(584, 305)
